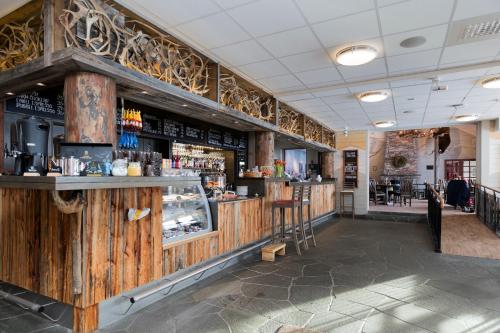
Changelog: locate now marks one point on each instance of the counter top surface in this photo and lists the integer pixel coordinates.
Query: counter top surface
(274, 179)
(64, 183)
(233, 200)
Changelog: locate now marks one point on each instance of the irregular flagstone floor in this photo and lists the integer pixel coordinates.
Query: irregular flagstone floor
(367, 276)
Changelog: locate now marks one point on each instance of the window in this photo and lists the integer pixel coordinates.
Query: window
(460, 168)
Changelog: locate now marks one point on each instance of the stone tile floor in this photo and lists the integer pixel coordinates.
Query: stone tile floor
(367, 276)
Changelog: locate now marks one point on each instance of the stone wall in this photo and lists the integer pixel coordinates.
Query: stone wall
(397, 146)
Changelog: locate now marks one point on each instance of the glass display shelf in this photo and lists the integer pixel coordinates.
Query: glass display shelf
(186, 213)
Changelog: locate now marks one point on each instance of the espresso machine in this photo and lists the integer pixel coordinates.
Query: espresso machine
(33, 135)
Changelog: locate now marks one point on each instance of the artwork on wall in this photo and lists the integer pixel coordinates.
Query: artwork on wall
(296, 162)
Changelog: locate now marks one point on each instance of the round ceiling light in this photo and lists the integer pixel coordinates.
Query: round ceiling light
(491, 83)
(385, 123)
(356, 55)
(373, 96)
(466, 117)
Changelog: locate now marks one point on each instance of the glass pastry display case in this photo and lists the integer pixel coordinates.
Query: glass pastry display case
(186, 212)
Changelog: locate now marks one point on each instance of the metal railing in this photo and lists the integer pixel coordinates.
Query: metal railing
(487, 202)
(435, 204)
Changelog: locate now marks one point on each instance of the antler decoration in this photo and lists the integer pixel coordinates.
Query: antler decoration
(20, 43)
(313, 130)
(328, 138)
(94, 26)
(291, 120)
(247, 101)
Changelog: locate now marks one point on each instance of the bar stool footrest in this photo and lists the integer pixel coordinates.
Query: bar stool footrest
(269, 251)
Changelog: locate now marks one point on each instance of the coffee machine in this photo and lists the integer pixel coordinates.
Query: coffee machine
(33, 135)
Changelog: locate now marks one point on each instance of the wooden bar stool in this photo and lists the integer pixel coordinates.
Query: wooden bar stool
(306, 201)
(348, 191)
(294, 205)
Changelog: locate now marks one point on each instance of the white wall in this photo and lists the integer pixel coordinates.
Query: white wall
(357, 140)
(488, 154)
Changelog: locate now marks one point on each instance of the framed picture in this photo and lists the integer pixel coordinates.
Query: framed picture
(296, 162)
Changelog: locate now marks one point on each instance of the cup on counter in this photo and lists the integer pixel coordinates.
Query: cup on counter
(71, 166)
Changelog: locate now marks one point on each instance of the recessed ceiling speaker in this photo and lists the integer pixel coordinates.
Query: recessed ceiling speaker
(411, 42)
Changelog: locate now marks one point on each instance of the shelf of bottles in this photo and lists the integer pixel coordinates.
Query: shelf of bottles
(131, 123)
(189, 156)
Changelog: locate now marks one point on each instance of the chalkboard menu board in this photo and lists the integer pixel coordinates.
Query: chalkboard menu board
(47, 104)
(151, 124)
(194, 134)
(351, 167)
(214, 137)
(230, 141)
(173, 128)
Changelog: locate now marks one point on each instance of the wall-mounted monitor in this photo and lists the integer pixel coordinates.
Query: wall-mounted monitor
(296, 162)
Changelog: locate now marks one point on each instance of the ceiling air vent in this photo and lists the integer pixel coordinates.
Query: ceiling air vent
(481, 29)
(474, 29)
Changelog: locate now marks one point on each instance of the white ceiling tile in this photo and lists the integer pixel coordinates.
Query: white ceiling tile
(7, 6)
(175, 12)
(316, 76)
(409, 82)
(242, 53)
(307, 61)
(368, 87)
(435, 37)
(350, 29)
(341, 98)
(414, 14)
(227, 4)
(264, 69)
(331, 92)
(468, 8)
(296, 97)
(281, 82)
(487, 49)
(373, 68)
(266, 17)
(290, 42)
(321, 10)
(309, 103)
(464, 74)
(213, 31)
(410, 91)
(423, 59)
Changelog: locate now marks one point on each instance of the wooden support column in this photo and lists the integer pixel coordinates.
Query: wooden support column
(90, 108)
(2, 124)
(264, 148)
(327, 164)
(85, 320)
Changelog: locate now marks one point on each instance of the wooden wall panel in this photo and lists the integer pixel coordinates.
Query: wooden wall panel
(323, 198)
(35, 247)
(118, 255)
(183, 254)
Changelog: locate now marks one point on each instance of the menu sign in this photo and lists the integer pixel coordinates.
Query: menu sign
(351, 167)
(151, 124)
(214, 137)
(43, 104)
(193, 133)
(243, 144)
(173, 128)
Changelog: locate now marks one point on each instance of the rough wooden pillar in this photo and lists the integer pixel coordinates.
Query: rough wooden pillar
(327, 164)
(264, 148)
(90, 108)
(85, 320)
(2, 144)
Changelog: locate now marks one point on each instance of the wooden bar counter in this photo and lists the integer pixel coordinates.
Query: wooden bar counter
(37, 239)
